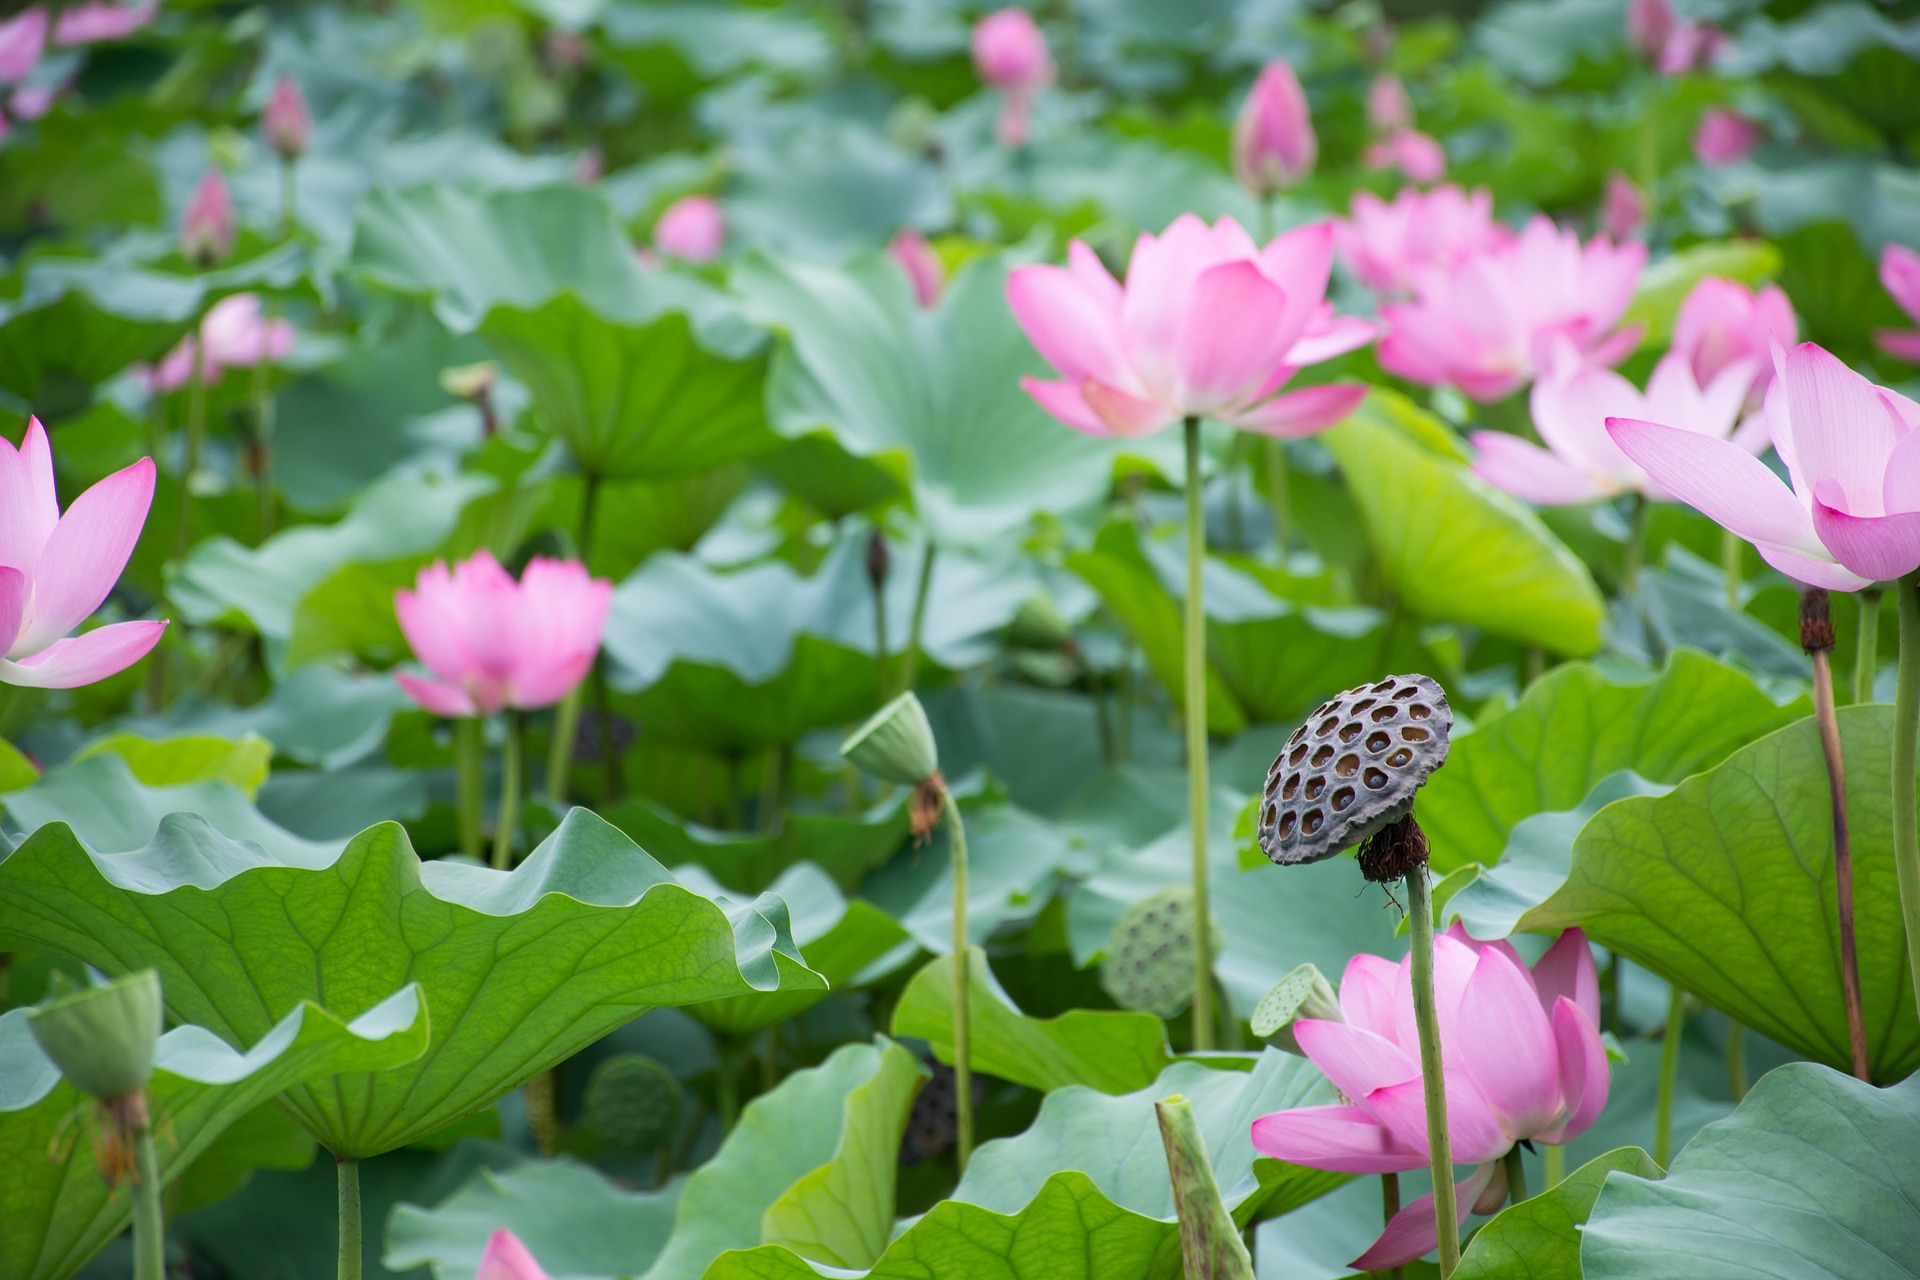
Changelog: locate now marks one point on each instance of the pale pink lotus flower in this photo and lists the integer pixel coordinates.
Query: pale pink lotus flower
(1486, 323)
(1691, 46)
(208, 228)
(1624, 210)
(1387, 105)
(1722, 322)
(1571, 404)
(1417, 155)
(1388, 244)
(1010, 53)
(238, 335)
(22, 37)
(101, 20)
(56, 569)
(1650, 24)
(286, 121)
(489, 642)
(1724, 138)
(1208, 324)
(1900, 273)
(1852, 451)
(1523, 1061)
(507, 1259)
(916, 257)
(1273, 142)
(691, 229)
(31, 101)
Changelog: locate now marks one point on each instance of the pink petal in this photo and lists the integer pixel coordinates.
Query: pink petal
(507, 1259)
(1076, 331)
(1716, 477)
(68, 664)
(1303, 412)
(1584, 1074)
(1842, 430)
(1472, 1127)
(1413, 1232)
(1366, 992)
(29, 507)
(85, 553)
(1335, 336)
(1902, 492)
(1300, 262)
(1160, 281)
(1811, 571)
(1529, 472)
(1095, 280)
(1900, 273)
(440, 699)
(1453, 965)
(13, 605)
(1878, 548)
(1567, 969)
(1571, 406)
(1063, 401)
(1508, 1045)
(1356, 1060)
(1229, 340)
(1123, 414)
(1902, 344)
(1341, 1139)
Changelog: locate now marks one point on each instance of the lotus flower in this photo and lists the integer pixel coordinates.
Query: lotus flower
(1010, 53)
(1410, 151)
(208, 229)
(1722, 322)
(916, 257)
(507, 1259)
(1852, 452)
(1522, 1057)
(1387, 105)
(22, 37)
(98, 20)
(1650, 24)
(691, 229)
(1571, 406)
(1207, 324)
(1389, 245)
(1691, 46)
(490, 642)
(56, 569)
(1273, 142)
(1900, 273)
(286, 121)
(1724, 138)
(237, 335)
(1624, 210)
(1488, 321)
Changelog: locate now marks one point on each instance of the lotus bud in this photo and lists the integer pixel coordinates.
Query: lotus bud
(207, 230)
(1037, 624)
(1304, 994)
(1724, 138)
(910, 249)
(1387, 105)
(1210, 1243)
(103, 1038)
(879, 560)
(1649, 25)
(1273, 141)
(474, 382)
(1625, 208)
(286, 121)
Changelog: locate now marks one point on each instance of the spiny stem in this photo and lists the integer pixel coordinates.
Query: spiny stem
(962, 984)
(1669, 1078)
(149, 1224)
(1829, 722)
(469, 750)
(350, 1246)
(1906, 729)
(508, 822)
(1426, 1019)
(1194, 684)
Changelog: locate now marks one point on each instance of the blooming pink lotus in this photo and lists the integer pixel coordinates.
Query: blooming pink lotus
(1571, 406)
(208, 228)
(56, 569)
(100, 20)
(1624, 210)
(1418, 155)
(507, 1259)
(237, 335)
(286, 121)
(1852, 452)
(1273, 142)
(916, 257)
(1650, 24)
(490, 642)
(691, 229)
(1010, 53)
(22, 37)
(1388, 107)
(1724, 138)
(1900, 273)
(1522, 1057)
(1388, 245)
(1208, 324)
(1489, 320)
(1691, 46)
(1722, 323)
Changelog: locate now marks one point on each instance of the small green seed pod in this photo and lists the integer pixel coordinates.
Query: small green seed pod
(1303, 993)
(103, 1038)
(1149, 960)
(896, 745)
(633, 1103)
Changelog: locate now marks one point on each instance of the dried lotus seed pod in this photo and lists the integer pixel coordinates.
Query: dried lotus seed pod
(1353, 768)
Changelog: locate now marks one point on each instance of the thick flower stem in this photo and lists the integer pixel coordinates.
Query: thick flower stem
(1906, 728)
(1669, 1078)
(508, 821)
(1426, 1018)
(149, 1225)
(1390, 1206)
(566, 716)
(1635, 553)
(1556, 1162)
(1866, 651)
(910, 659)
(1737, 1060)
(880, 656)
(1829, 722)
(1516, 1176)
(962, 982)
(1277, 496)
(350, 1246)
(1730, 550)
(1194, 687)
(469, 751)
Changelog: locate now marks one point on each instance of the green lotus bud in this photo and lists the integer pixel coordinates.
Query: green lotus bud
(896, 745)
(102, 1038)
(633, 1103)
(1303, 993)
(1210, 1244)
(1037, 624)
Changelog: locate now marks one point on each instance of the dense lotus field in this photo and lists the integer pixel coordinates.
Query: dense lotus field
(874, 638)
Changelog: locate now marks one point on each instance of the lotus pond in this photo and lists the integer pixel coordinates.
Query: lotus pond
(910, 639)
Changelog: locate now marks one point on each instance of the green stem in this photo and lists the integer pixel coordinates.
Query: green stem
(1426, 1019)
(1516, 1175)
(1236, 515)
(910, 660)
(263, 421)
(149, 1225)
(1194, 686)
(287, 200)
(1906, 728)
(962, 983)
(880, 654)
(727, 1084)
(1669, 1077)
(196, 436)
(1737, 1060)
(508, 823)
(1556, 1161)
(350, 1247)
(773, 771)
(1730, 551)
(1828, 720)
(469, 750)
(1866, 653)
(1615, 1016)
(1636, 548)
(1278, 496)
(1389, 1207)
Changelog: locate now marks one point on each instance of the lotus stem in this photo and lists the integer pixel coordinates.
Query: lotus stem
(1641, 511)
(1737, 1060)
(1278, 498)
(727, 1084)
(149, 1224)
(1516, 1175)
(962, 984)
(772, 773)
(1730, 551)
(263, 419)
(1194, 685)
(1556, 1162)
(1816, 637)
(880, 655)
(508, 822)
(350, 1246)
(1389, 1206)
(196, 437)
(910, 660)
(1426, 1018)
(1866, 652)
(566, 717)
(1236, 509)
(1669, 1077)
(469, 750)
(1906, 728)
(288, 199)
(543, 1113)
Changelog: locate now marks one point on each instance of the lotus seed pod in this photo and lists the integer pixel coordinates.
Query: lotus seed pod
(1149, 960)
(1303, 993)
(896, 745)
(633, 1103)
(1353, 768)
(1037, 624)
(103, 1038)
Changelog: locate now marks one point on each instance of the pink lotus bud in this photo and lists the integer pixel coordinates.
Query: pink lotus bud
(590, 167)
(507, 1259)
(286, 122)
(1900, 274)
(101, 20)
(207, 231)
(1387, 106)
(1010, 52)
(1649, 24)
(1624, 211)
(1273, 142)
(21, 40)
(922, 265)
(1691, 46)
(1413, 153)
(1724, 138)
(691, 229)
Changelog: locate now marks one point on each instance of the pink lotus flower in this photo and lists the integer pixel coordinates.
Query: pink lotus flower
(1724, 138)
(1388, 245)
(507, 1259)
(1273, 142)
(1571, 406)
(1488, 322)
(1690, 47)
(916, 257)
(1010, 53)
(55, 569)
(1207, 324)
(286, 121)
(1413, 153)
(98, 20)
(1387, 105)
(22, 37)
(1722, 323)
(1852, 452)
(237, 335)
(1650, 24)
(490, 642)
(31, 101)
(1900, 273)
(1522, 1057)
(207, 231)
(692, 229)
(1624, 211)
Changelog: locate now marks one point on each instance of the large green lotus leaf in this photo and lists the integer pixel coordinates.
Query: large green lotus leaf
(676, 49)
(320, 714)
(1084, 1192)
(1539, 1239)
(57, 1218)
(1812, 1177)
(1725, 886)
(939, 386)
(1576, 725)
(832, 187)
(1455, 548)
(529, 965)
(173, 762)
(265, 1138)
(1109, 1050)
(1666, 284)
(845, 847)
